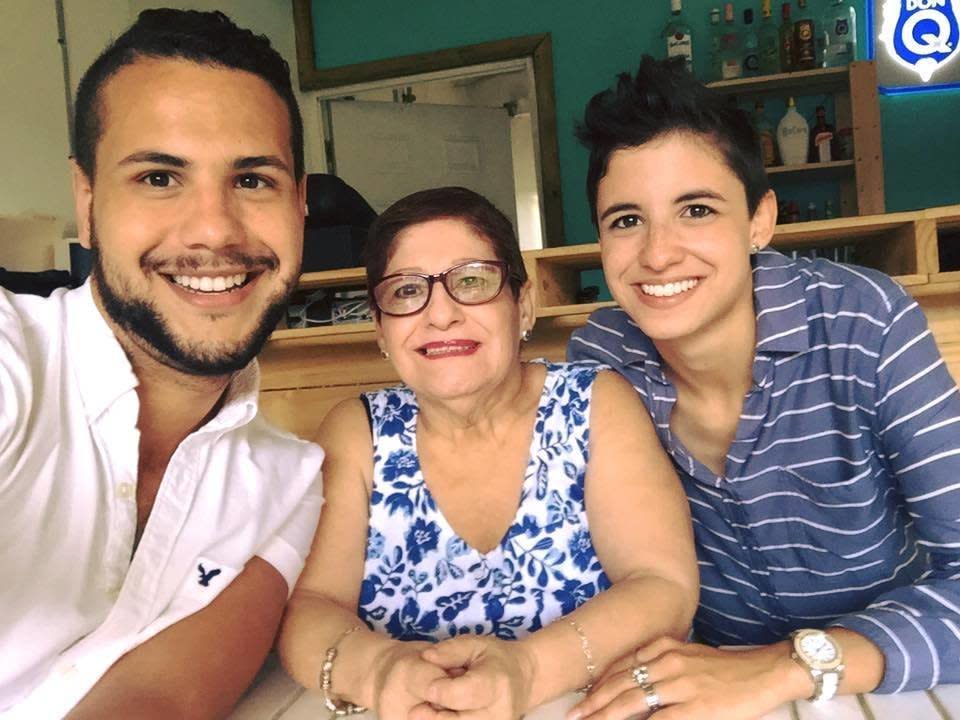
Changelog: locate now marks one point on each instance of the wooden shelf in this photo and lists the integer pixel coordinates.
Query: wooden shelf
(840, 231)
(340, 330)
(811, 82)
(833, 166)
(573, 309)
(333, 278)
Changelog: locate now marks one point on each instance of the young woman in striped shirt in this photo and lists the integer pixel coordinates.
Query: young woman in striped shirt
(806, 408)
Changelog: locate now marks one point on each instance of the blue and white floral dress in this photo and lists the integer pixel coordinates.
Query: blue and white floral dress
(423, 582)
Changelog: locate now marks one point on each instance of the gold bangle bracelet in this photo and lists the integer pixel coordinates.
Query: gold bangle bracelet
(326, 672)
(587, 655)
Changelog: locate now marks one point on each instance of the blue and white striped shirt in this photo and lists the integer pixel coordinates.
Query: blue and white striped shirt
(840, 500)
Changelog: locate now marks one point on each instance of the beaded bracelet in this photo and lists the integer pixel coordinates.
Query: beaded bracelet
(587, 655)
(325, 682)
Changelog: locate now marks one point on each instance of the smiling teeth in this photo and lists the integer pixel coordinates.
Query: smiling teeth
(443, 350)
(674, 288)
(207, 283)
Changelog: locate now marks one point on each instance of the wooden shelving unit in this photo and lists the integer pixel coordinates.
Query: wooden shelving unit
(832, 167)
(857, 106)
(305, 371)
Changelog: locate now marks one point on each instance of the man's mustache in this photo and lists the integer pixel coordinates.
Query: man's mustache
(210, 261)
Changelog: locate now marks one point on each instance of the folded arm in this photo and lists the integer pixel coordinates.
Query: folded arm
(371, 669)
(917, 627)
(200, 666)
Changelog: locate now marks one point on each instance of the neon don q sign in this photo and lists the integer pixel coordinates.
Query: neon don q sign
(921, 35)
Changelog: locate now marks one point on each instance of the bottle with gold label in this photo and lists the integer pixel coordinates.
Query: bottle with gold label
(768, 146)
(786, 39)
(804, 38)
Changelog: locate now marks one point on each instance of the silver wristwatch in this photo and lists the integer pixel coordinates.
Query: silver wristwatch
(822, 657)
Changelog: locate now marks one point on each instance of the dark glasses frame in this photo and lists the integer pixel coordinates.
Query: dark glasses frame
(442, 279)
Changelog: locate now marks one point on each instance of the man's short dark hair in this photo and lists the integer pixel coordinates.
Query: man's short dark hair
(207, 38)
(663, 97)
(445, 203)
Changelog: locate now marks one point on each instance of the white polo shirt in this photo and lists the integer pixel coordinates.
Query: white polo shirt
(72, 599)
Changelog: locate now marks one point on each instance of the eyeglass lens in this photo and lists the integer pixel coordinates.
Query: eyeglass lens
(471, 283)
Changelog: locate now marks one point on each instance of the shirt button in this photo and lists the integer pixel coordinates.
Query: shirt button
(125, 490)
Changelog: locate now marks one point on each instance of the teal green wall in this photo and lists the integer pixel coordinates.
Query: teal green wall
(592, 42)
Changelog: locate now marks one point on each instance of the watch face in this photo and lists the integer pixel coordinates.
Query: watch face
(817, 649)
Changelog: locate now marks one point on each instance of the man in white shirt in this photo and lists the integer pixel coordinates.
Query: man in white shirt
(152, 523)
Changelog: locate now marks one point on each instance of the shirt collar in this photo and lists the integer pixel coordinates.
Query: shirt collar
(104, 373)
(780, 304)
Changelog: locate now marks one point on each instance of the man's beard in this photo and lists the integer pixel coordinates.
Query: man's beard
(141, 319)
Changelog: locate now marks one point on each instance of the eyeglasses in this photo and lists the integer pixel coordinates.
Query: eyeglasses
(470, 283)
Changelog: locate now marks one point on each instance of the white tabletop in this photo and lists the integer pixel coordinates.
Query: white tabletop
(275, 696)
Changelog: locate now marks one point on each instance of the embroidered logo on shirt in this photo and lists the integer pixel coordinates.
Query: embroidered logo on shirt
(206, 577)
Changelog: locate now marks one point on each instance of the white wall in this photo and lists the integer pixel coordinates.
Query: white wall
(34, 141)
(34, 135)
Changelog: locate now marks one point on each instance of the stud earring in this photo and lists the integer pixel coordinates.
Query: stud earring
(525, 336)
(754, 248)
(384, 354)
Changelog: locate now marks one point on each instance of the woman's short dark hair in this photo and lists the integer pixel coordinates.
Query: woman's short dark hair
(207, 38)
(663, 97)
(445, 203)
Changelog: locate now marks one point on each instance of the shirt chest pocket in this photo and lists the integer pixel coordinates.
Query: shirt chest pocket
(846, 518)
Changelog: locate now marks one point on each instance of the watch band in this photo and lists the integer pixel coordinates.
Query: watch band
(827, 685)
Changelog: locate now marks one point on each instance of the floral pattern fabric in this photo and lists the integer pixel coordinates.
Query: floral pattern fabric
(423, 582)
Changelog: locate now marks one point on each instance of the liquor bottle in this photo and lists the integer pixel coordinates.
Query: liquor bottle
(839, 34)
(768, 146)
(804, 39)
(730, 46)
(793, 135)
(786, 39)
(715, 62)
(677, 35)
(751, 45)
(828, 210)
(821, 138)
(769, 41)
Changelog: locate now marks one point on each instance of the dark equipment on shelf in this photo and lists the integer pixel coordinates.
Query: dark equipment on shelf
(336, 225)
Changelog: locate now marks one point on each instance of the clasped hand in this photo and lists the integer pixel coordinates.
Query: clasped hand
(695, 681)
(470, 677)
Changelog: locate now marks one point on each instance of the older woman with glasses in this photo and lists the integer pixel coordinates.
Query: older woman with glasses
(471, 508)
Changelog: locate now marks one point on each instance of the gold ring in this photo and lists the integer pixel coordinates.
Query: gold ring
(640, 675)
(652, 698)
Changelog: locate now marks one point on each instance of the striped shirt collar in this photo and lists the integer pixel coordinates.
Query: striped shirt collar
(780, 304)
